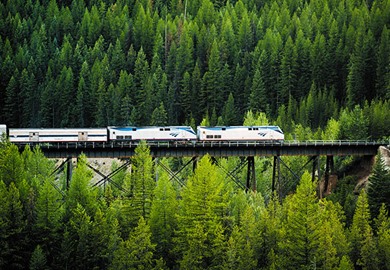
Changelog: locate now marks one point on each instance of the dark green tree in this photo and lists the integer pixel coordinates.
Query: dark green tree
(38, 259)
(159, 116)
(378, 190)
(229, 112)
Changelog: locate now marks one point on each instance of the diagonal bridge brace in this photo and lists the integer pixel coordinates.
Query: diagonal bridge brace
(107, 178)
(174, 175)
(232, 174)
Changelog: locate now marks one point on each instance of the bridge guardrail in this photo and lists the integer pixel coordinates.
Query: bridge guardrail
(184, 144)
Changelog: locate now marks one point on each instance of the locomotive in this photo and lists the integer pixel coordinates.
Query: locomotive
(147, 133)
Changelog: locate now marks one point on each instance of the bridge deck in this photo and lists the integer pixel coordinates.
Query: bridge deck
(216, 149)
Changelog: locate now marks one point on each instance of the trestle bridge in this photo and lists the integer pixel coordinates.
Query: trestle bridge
(247, 150)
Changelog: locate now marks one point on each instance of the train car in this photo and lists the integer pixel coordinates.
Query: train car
(240, 133)
(50, 135)
(170, 133)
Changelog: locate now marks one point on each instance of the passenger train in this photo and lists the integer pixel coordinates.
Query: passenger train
(147, 133)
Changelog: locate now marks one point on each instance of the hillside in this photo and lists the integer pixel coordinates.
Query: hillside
(99, 63)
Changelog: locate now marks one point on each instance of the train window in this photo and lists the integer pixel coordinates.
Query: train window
(249, 128)
(128, 137)
(167, 129)
(161, 129)
(209, 136)
(217, 136)
(223, 128)
(119, 137)
(255, 128)
(134, 129)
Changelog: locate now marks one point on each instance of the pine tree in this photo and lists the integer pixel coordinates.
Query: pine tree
(159, 116)
(363, 253)
(302, 227)
(163, 220)
(200, 228)
(80, 191)
(47, 226)
(258, 98)
(383, 233)
(378, 191)
(11, 165)
(38, 259)
(16, 237)
(229, 113)
(137, 251)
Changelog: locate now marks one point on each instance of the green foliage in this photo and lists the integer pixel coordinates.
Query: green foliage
(190, 56)
(80, 190)
(200, 235)
(137, 251)
(302, 228)
(364, 251)
(379, 187)
(38, 259)
(163, 220)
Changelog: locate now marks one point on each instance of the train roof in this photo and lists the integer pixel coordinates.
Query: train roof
(149, 127)
(276, 128)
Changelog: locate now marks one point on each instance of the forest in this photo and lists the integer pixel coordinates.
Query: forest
(305, 64)
(142, 219)
(319, 69)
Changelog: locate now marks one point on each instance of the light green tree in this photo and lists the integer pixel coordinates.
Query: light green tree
(302, 226)
(200, 234)
(363, 249)
(163, 219)
(137, 251)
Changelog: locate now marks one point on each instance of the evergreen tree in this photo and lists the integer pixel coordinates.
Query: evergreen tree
(159, 116)
(229, 113)
(378, 191)
(48, 226)
(15, 236)
(163, 220)
(137, 251)
(38, 259)
(258, 97)
(383, 233)
(80, 192)
(302, 227)
(363, 253)
(200, 228)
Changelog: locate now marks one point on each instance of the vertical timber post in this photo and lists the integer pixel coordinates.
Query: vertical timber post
(251, 176)
(328, 170)
(194, 163)
(276, 167)
(68, 171)
(313, 173)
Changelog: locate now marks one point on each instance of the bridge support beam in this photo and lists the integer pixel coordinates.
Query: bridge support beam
(316, 167)
(276, 171)
(328, 169)
(107, 178)
(251, 175)
(69, 169)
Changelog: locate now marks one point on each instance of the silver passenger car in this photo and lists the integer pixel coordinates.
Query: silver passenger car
(49, 135)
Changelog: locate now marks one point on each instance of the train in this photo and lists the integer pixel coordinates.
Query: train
(147, 133)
